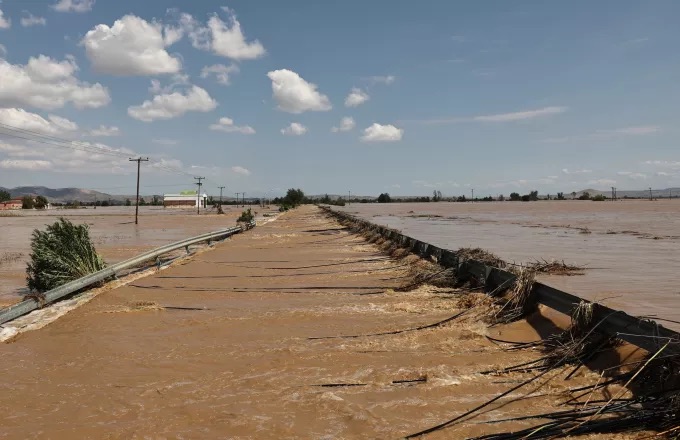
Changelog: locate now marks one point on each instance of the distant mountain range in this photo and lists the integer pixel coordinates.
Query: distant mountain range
(632, 194)
(63, 194)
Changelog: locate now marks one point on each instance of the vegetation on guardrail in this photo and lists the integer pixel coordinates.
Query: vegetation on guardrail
(61, 253)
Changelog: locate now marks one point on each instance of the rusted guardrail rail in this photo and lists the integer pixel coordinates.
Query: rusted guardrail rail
(644, 333)
(28, 305)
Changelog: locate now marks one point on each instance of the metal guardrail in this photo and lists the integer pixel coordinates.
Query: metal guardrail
(644, 333)
(26, 306)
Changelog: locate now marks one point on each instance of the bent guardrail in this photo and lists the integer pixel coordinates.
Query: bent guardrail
(644, 333)
(12, 312)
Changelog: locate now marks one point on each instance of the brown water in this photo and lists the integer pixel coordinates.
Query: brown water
(112, 229)
(631, 248)
(243, 366)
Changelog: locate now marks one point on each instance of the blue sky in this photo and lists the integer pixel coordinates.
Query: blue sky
(332, 97)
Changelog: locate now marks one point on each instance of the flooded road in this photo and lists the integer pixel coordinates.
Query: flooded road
(113, 232)
(630, 248)
(244, 360)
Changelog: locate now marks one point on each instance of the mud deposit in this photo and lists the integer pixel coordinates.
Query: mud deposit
(629, 248)
(112, 229)
(245, 360)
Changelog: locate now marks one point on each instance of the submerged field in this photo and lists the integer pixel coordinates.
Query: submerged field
(629, 249)
(112, 229)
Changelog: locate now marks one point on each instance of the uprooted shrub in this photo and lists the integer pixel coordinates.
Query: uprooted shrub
(61, 253)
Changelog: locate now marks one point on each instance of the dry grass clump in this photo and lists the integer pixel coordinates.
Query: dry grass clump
(518, 303)
(482, 255)
(555, 267)
(424, 272)
(137, 306)
(10, 257)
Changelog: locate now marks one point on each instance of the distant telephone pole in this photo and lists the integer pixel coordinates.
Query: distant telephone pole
(473, 196)
(243, 197)
(613, 193)
(221, 188)
(349, 197)
(198, 194)
(139, 161)
(650, 194)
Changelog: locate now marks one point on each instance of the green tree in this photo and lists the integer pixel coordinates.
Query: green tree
(27, 202)
(40, 202)
(142, 202)
(436, 196)
(4, 195)
(584, 196)
(515, 197)
(294, 197)
(533, 196)
(61, 253)
(128, 202)
(560, 196)
(384, 198)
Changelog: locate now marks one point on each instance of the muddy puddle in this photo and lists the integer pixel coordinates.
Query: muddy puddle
(630, 249)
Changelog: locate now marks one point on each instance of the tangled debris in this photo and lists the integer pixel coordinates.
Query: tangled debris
(555, 267)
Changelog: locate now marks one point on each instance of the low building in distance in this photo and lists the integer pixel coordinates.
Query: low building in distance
(185, 199)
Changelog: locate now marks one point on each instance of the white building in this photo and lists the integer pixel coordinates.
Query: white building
(185, 199)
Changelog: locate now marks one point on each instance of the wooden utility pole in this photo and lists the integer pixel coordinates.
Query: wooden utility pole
(650, 194)
(198, 194)
(139, 161)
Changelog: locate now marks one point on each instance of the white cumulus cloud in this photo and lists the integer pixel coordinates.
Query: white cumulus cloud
(387, 79)
(295, 95)
(227, 125)
(5, 23)
(32, 20)
(104, 131)
(24, 120)
(73, 5)
(240, 170)
(172, 105)
(48, 84)
(294, 129)
(132, 46)
(223, 38)
(25, 164)
(222, 73)
(382, 133)
(356, 97)
(346, 124)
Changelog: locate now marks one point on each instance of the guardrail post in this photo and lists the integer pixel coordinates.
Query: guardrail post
(186, 248)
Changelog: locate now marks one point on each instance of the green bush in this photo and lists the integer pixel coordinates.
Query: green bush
(246, 217)
(598, 198)
(61, 253)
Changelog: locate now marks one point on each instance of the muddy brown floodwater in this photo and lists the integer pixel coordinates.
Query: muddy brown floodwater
(244, 362)
(112, 229)
(630, 248)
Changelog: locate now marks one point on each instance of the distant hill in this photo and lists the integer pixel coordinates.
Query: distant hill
(632, 194)
(61, 194)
